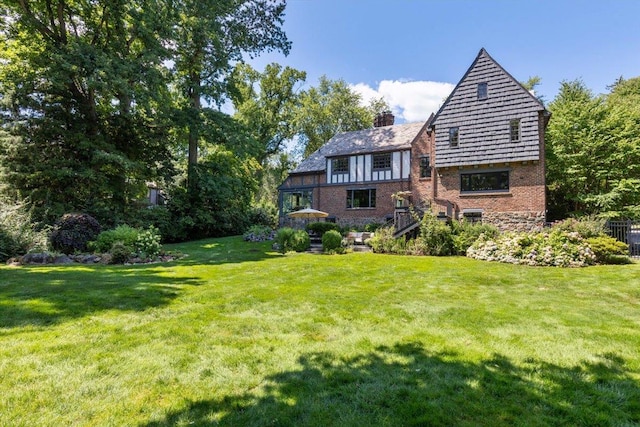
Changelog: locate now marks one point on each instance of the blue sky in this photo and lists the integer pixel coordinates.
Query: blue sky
(413, 52)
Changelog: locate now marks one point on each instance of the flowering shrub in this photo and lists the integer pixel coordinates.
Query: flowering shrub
(551, 248)
(259, 233)
(148, 243)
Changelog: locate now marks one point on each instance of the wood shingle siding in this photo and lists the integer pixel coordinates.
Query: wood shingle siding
(484, 133)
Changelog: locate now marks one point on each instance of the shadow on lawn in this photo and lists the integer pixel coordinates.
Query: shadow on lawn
(225, 250)
(43, 296)
(406, 385)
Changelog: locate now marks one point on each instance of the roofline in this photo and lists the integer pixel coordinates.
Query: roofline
(475, 61)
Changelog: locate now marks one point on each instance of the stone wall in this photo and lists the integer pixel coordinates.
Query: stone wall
(515, 221)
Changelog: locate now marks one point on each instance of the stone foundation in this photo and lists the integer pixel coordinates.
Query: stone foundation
(515, 221)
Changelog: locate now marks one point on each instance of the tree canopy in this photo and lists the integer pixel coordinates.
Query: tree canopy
(593, 151)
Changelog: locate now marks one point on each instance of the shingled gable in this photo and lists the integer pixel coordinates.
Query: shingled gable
(484, 123)
(374, 140)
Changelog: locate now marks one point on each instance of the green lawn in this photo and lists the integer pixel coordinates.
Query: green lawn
(236, 334)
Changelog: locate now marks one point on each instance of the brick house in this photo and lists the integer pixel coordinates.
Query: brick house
(480, 157)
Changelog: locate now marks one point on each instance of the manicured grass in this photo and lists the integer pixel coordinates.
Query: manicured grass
(237, 334)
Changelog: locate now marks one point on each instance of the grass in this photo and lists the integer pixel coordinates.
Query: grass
(235, 334)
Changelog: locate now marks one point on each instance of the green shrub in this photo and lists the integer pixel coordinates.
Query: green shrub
(147, 244)
(73, 231)
(465, 233)
(301, 241)
(158, 216)
(8, 246)
(322, 227)
(585, 226)
(122, 233)
(332, 241)
(609, 250)
(289, 240)
(18, 235)
(436, 236)
(372, 227)
(120, 253)
(383, 242)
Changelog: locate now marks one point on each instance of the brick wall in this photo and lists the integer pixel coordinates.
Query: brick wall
(333, 199)
(525, 198)
(422, 188)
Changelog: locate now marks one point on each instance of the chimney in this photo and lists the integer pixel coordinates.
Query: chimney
(383, 119)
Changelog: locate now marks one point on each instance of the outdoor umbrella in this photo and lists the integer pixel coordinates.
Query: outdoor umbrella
(308, 213)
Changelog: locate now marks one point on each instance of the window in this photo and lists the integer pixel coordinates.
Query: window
(454, 136)
(484, 181)
(381, 161)
(482, 91)
(340, 165)
(296, 200)
(361, 198)
(473, 216)
(514, 130)
(425, 167)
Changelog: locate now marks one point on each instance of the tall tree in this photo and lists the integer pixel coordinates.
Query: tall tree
(330, 108)
(210, 35)
(82, 94)
(593, 154)
(265, 103)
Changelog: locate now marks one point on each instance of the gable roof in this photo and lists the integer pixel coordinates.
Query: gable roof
(373, 140)
(485, 54)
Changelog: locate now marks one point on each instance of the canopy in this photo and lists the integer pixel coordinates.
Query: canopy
(308, 213)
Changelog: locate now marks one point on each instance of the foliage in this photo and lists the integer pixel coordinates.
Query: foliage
(328, 109)
(210, 36)
(123, 233)
(265, 103)
(73, 231)
(290, 240)
(550, 248)
(120, 253)
(331, 241)
(465, 233)
(85, 110)
(17, 232)
(593, 152)
(383, 241)
(263, 216)
(147, 245)
(373, 227)
(158, 216)
(609, 250)
(220, 201)
(436, 236)
(586, 227)
(320, 228)
(258, 233)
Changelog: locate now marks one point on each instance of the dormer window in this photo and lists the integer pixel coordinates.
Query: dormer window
(454, 136)
(482, 91)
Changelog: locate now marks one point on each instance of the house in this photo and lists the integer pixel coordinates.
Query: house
(480, 157)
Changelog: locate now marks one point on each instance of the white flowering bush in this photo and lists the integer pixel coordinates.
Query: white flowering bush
(549, 248)
(148, 243)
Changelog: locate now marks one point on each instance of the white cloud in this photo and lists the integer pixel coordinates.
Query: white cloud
(411, 101)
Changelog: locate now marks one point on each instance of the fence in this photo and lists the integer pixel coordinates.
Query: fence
(627, 231)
